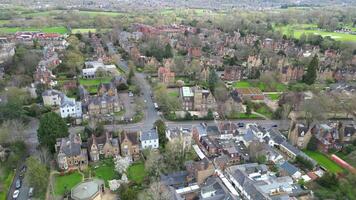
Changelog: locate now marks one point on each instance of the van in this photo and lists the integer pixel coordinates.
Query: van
(30, 192)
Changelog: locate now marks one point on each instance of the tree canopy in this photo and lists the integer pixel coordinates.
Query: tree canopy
(51, 127)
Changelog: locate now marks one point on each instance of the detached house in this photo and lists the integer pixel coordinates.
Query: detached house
(149, 139)
(70, 154)
(104, 145)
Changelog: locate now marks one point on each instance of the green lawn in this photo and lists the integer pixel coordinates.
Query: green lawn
(136, 172)
(59, 29)
(96, 13)
(273, 97)
(241, 84)
(66, 182)
(105, 171)
(173, 93)
(299, 29)
(97, 81)
(92, 84)
(6, 180)
(243, 116)
(324, 161)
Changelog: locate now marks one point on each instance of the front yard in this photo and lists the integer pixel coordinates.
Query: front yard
(136, 172)
(324, 161)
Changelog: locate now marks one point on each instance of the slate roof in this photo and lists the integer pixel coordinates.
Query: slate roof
(289, 168)
(132, 136)
(276, 136)
(71, 146)
(149, 135)
(215, 186)
(177, 179)
(291, 148)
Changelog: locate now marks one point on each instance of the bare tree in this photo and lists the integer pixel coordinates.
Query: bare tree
(156, 191)
(154, 163)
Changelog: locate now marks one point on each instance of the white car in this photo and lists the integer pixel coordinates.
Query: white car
(16, 194)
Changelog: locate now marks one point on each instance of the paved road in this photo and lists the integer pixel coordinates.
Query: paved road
(30, 137)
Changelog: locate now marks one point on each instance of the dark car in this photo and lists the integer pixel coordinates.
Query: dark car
(240, 124)
(274, 125)
(18, 183)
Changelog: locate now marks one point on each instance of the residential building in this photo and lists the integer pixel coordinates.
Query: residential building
(52, 97)
(214, 189)
(185, 135)
(327, 136)
(149, 139)
(91, 67)
(70, 108)
(101, 105)
(199, 171)
(197, 99)
(104, 145)
(44, 76)
(233, 73)
(70, 154)
(287, 169)
(299, 135)
(255, 182)
(129, 144)
(348, 132)
(165, 75)
(7, 49)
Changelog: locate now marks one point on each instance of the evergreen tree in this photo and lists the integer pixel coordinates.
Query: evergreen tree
(161, 130)
(213, 80)
(310, 77)
(52, 126)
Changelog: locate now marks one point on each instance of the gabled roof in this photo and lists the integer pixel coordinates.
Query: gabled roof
(149, 135)
(289, 168)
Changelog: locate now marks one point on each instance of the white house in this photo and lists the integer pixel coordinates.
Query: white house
(92, 66)
(149, 139)
(70, 108)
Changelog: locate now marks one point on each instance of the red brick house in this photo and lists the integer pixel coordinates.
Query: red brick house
(165, 75)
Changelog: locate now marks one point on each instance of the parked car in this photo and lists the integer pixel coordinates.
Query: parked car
(274, 125)
(16, 194)
(18, 183)
(240, 124)
(30, 192)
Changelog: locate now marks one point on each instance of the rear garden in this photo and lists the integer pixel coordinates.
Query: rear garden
(136, 172)
(273, 87)
(91, 85)
(324, 161)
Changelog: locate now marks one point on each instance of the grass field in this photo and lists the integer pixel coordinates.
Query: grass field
(60, 30)
(105, 171)
(273, 97)
(298, 30)
(6, 180)
(66, 182)
(136, 172)
(324, 161)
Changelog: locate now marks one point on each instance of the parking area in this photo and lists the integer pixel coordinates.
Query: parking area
(128, 103)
